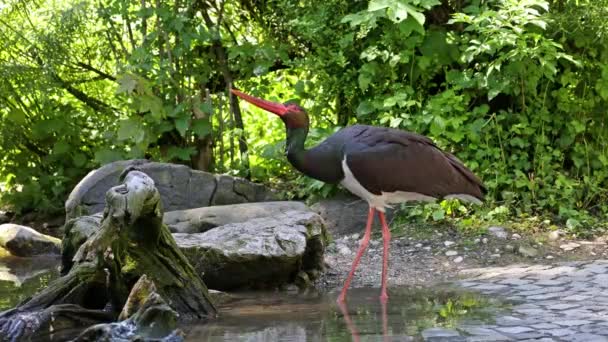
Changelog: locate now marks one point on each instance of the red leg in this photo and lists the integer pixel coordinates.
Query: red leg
(386, 236)
(362, 247)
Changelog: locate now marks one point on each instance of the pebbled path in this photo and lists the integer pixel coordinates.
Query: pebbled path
(560, 302)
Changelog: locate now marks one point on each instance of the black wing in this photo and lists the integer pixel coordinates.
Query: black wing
(385, 159)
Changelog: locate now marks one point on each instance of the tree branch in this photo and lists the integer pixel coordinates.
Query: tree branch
(95, 70)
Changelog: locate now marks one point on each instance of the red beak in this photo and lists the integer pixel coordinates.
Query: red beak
(276, 108)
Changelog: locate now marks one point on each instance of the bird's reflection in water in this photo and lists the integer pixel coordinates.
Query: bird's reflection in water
(343, 306)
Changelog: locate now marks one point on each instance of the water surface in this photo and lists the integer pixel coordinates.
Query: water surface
(316, 317)
(21, 278)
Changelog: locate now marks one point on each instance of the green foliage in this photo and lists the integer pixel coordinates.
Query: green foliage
(515, 89)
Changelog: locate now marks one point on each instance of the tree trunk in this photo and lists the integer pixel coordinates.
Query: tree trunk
(131, 243)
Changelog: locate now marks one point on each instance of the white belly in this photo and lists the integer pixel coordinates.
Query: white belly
(384, 200)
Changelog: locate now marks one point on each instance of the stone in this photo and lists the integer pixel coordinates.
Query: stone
(559, 332)
(458, 259)
(571, 322)
(587, 337)
(509, 248)
(260, 253)
(180, 188)
(24, 241)
(544, 326)
(451, 253)
(418, 245)
(515, 236)
(346, 214)
(434, 333)
(569, 246)
(448, 243)
(554, 235)
(527, 251)
(484, 241)
(514, 330)
(498, 232)
(344, 250)
(199, 220)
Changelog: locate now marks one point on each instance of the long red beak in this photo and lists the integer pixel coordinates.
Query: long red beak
(276, 108)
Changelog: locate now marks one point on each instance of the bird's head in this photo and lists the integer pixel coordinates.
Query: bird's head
(292, 114)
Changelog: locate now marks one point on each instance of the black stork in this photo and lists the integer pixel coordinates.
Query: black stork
(381, 165)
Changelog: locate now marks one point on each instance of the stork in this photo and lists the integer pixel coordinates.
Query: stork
(383, 166)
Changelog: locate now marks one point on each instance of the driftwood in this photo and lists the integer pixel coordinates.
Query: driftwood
(131, 243)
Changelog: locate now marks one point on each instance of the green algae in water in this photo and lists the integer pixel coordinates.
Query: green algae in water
(316, 317)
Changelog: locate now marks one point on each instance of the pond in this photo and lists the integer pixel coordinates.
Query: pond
(294, 317)
(20, 278)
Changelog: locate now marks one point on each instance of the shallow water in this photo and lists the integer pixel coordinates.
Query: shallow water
(21, 278)
(295, 317)
(317, 317)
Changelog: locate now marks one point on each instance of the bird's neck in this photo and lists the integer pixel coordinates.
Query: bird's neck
(296, 137)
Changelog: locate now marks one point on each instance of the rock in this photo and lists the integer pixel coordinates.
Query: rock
(495, 256)
(433, 334)
(498, 232)
(448, 243)
(199, 220)
(75, 233)
(477, 241)
(451, 253)
(530, 252)
(418, 245)
(344, 250)
(259, 253)
(458, 259)
(180, 188)
(346, 214)
(515, 236)
(509, 248)
(484, 240)
(549, 257)
(569, 246)
(554, 235)
(26, 242)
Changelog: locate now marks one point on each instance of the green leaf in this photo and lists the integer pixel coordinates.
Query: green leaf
(107, 155)
(79, 159)
(126, 84)
(201, 127)
(365, 108)
(131, 128)
(61, 147)
(364, 80)
(438, 214)
(181, 124)
(376, 5)
(182, 153)
(418, 16)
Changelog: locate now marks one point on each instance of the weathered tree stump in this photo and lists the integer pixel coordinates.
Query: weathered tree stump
(131, 242)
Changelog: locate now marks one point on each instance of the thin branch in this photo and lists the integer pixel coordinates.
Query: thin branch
(95, 70)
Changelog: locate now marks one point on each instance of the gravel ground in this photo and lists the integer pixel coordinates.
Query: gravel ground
(429, 256)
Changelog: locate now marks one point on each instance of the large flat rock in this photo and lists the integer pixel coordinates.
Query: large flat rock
(260, 253)
(199, 220)
(180, 188)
